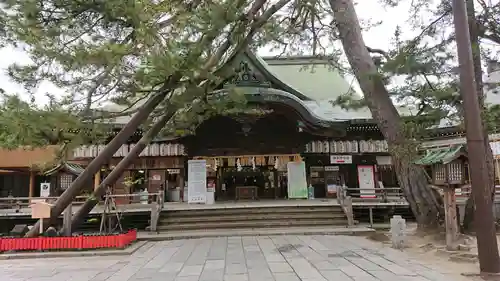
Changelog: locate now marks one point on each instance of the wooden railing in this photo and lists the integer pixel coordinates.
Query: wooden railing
(120, 199)
(381, 194)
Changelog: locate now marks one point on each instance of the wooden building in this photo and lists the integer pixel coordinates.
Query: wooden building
(296, 122)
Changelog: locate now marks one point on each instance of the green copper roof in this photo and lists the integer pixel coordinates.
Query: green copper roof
(71, 168)
(441, 155)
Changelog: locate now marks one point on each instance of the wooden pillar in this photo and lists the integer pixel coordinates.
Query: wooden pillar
(450, 208)
(97, 180)
(32, 184)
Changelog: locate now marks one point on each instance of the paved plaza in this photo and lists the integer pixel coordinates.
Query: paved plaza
(261, 258)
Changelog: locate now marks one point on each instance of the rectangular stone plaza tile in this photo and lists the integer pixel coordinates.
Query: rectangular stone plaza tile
(257, 264)
(280, 267)
(286, 277)
(274, 257)
(354, 271)
(236, 277)
(147, 273)
(364, 263)
(214, 264)
(335, 275)
(212, 275)
(172, 267)
(369, 278)
(102, 276)
(263, 273)
(383, 274)
(237, 268)
(185, 278)
(191, 270)
(124, 273)
(323, 265)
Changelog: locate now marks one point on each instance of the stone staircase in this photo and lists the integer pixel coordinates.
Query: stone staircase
(251, 217)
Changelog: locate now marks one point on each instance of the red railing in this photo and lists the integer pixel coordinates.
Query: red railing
(68, 243)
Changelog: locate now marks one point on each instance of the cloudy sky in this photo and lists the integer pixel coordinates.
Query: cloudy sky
(377, 37)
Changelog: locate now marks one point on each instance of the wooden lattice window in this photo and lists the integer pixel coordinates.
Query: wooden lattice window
(65, 181)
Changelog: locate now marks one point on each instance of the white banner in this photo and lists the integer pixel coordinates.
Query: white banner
(197, 181)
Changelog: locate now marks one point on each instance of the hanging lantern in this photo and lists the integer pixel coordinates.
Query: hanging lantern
(276, 163)
(253, 163)
(238, 165)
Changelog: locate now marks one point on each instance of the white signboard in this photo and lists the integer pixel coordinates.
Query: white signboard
(197, 181)
(340, 159)
(45, 189)
(366, 179)
(297, 184)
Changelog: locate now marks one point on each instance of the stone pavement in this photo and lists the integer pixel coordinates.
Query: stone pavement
(253, 258)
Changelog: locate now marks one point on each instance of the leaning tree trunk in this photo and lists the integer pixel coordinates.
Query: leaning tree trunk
(74, 189)
(468, 220)
(421, 197)
(85, 209)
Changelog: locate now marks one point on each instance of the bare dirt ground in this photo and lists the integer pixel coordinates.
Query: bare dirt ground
(430, 247)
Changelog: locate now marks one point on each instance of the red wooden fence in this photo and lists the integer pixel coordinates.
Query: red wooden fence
(68, 243)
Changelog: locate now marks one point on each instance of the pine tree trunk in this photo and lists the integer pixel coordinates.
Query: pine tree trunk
(468, 221)
(422, 198)
(115, 174)
(74, 189)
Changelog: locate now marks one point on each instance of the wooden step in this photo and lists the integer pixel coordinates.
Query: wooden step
(254, 224)
(242, 217)
(264, 210)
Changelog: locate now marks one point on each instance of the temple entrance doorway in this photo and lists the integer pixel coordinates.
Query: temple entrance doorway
(249, 183)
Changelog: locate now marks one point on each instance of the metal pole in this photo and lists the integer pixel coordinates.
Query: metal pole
(489, 261)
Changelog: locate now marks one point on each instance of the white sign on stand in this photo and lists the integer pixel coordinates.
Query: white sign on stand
(45, 189)
(366, 180)
(197, 181)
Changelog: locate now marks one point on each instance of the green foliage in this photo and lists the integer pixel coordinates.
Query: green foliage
(125, 51)
(421, 72)
(24, 124)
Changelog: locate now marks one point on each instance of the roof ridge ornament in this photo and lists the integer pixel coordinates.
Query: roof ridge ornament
(245, 75)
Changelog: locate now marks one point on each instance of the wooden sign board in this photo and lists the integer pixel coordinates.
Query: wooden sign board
(40, 210)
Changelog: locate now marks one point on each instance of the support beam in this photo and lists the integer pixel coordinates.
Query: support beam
(32, 185)
(97, 180)
(71, 192)
(115, 174)
(450, 211)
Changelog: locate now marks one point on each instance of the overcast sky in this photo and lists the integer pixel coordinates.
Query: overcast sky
(377, 37)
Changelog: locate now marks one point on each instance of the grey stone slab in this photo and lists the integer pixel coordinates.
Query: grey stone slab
(262, 273)
(191, 270)
(323, 265)
(309, 258)
(212, 275)
(280, 267)
(383, 274)
(102, 276)
(354, 271)
(172, 267)
(214, 264)
(186, 278)
(286, 277)
(236, 268)
(147, 273)
(364, 264)
(236, 277)
(335, 275)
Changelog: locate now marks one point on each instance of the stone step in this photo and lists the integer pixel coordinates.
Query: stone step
(253, 224)
(167, 219)
(264, 210)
